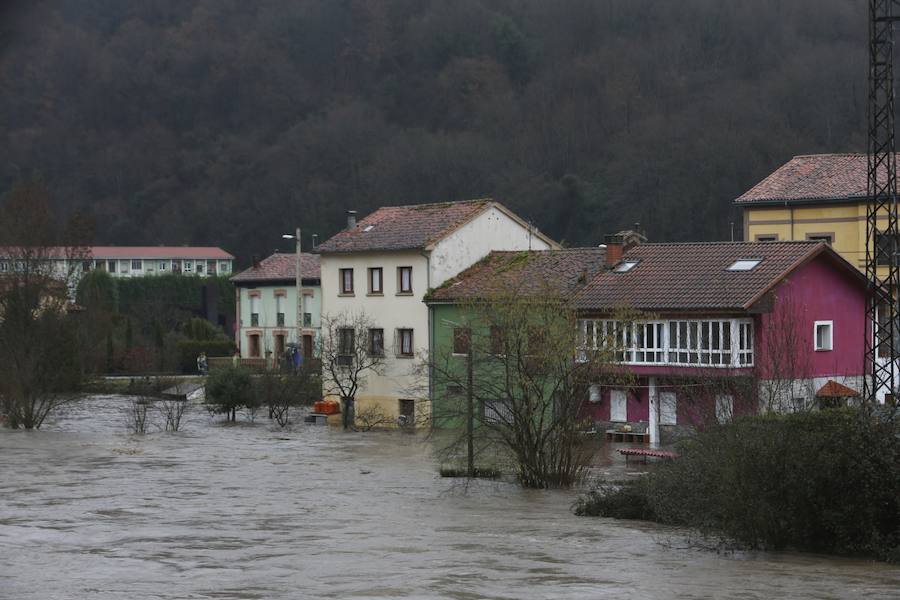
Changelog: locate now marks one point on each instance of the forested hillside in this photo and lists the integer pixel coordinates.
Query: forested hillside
(228, 121)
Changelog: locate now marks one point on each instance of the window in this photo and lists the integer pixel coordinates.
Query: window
(824, 335)
(497, 412)
(668, 409)
(211, 267)
(124, 266)
(884, 248)
(407, 411)
(461, 340)
(254, 345)
(405, 342)
(767, 237)
(828, 238)
(724, 408)
(346, 346)
(375, 281)
(744, 264)
(279, 344)
(307, 319)
(200, 266)
(618, 406)
(625, 266)
(188, 266)
(404, 280)
(137, 264)
(224, 266)
(254, 311)
(163, 265)
(279, 310)
(346, 281)
(4, 267)
(111, 266)
(376, 342)
(649, 342)
(497, 343)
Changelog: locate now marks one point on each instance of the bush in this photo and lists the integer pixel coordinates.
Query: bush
(230, 389)
(827, 481)
(189, 350)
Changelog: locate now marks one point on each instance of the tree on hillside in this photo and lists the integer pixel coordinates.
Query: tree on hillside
(39, 359)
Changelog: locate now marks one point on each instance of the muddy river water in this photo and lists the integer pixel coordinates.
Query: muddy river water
(88, 511)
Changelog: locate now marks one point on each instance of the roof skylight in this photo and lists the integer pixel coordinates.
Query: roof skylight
(369, 228)
(744, 264)
(625, 266)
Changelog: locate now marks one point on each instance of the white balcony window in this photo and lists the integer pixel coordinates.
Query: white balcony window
(700, 342)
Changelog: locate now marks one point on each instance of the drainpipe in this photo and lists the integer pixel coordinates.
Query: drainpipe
(430, 338)
(653, 425)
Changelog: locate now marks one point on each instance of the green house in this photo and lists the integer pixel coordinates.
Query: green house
(464, 314)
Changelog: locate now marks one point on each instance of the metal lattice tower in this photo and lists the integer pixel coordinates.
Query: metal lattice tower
(881, 211)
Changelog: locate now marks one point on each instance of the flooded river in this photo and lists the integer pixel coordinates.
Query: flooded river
(87, 511)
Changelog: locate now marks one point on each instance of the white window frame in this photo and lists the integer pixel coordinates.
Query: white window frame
(164, 265)
(717, 343)
(668, 408)
(139, 262)
(618, 399)
(187, 266)
(830, 345)
(724, 408)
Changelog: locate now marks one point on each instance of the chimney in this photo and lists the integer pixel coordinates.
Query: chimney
(351, 219)
(315, 240)
(615, 248)
(256, 261)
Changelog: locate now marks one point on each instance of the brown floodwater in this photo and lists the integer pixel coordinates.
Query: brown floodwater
(249, 511)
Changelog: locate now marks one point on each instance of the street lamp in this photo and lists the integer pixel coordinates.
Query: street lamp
(298, 282)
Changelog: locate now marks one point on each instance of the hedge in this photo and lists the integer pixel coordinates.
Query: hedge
(189, 350)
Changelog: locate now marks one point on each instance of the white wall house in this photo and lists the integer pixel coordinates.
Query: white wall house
(384, 265)
(134, 261)
(266, 306)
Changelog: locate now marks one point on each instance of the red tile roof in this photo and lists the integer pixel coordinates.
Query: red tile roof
(812, 178)
(695, 276)
(524, 273)
(411, 227)
(280, 267)
(833, 389)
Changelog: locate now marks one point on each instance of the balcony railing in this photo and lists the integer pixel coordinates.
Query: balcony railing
(720, 343)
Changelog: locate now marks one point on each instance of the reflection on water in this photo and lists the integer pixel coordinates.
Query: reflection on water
(87, 511)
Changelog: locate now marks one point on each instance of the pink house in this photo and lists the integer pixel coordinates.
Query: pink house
(704, 331)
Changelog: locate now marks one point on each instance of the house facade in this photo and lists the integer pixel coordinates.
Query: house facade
(266, 308)
(723, 329)
(135, 261)
(455, 310)
(384, 265)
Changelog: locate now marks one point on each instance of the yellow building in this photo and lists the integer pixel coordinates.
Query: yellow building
(817, 196)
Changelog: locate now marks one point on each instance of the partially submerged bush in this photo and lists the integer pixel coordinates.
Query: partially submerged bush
(230, 389)
(824, 482)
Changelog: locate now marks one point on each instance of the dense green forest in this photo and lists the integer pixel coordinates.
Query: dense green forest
(225, 122)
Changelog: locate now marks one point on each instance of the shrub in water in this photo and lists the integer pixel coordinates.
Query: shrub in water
(827, 481)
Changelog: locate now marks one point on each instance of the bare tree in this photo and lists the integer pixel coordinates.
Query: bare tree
(352, 348)
(515, 383)
(39, 265)
(137, 414)
(783, 372)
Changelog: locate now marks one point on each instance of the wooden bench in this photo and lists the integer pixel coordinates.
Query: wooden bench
(642, 437)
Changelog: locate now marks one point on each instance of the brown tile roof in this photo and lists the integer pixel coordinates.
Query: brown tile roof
(812, 178)
(280, 267)
(524, 273)
(695, 276)
(833, 389)
(411, 227)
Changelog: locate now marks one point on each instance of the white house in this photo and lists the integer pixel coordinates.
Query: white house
(266, 306)
(384, 265)
(130, 261)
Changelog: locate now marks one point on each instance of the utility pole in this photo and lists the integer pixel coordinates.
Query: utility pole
(882, 229)
(299, 285)
(470, 410)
